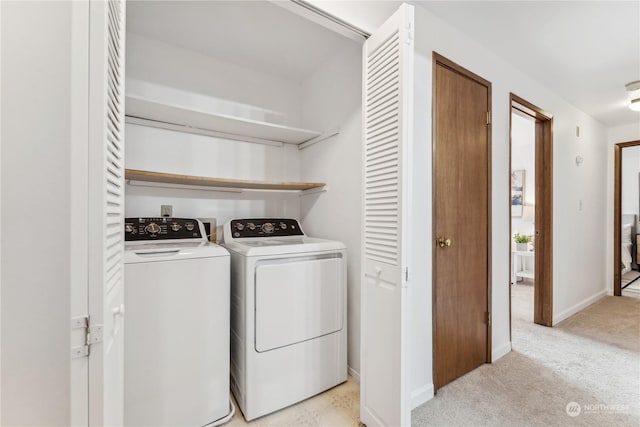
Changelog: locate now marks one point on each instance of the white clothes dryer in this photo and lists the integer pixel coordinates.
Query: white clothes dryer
(288, 314)
(176, 361)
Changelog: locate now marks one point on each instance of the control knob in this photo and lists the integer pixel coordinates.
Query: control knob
(175, 226)
(189, 226)
(128, 228)
(268, 227)
(239, 226)
(152, 228)
(251, 226)
(283, 226)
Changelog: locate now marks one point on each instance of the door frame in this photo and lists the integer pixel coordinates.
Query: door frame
(617, 213)
(543, 262)
(441, 60)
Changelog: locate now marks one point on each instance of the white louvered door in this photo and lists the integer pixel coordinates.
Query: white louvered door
(388, 89)
(106, 210)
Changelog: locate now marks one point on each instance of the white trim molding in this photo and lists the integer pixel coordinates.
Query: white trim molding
(500, 351)
(557, 318)
(421, 395)
(354, 374)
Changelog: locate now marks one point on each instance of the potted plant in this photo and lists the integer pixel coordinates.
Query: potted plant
(522, 241)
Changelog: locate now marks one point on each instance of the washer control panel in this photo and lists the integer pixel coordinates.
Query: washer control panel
(136, 229)
(265, 227)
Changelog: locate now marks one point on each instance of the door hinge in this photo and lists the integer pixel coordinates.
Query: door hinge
(488, 117)
(92, 335)
(405, 277)
(487, 317)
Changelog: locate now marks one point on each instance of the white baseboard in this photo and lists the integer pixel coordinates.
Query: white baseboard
(500, 351)
(354, 374)
(420, 396)
(577, 307)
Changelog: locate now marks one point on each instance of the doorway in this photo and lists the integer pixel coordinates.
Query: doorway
(461, 221)
(541, 212)
(625, 218)
(522, 193)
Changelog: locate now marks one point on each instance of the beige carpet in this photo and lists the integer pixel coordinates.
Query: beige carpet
(591, 359)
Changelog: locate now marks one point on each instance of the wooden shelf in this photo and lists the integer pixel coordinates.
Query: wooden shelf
(169, 178)
(151, 113)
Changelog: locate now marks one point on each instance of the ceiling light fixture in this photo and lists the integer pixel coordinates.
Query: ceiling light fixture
(633, 93)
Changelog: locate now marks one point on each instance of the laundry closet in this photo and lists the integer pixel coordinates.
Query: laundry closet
(257, 106)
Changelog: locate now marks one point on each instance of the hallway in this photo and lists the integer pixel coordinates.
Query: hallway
(591, 359)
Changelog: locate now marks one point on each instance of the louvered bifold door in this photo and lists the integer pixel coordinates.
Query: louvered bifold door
(388, 86)
(106, 211)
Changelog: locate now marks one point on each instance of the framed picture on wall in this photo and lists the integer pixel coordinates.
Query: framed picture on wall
(517, 192)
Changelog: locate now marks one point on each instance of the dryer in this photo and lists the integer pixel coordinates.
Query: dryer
(288, 314)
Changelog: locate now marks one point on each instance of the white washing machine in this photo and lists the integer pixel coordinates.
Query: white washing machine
(176, 363)
(288, 314)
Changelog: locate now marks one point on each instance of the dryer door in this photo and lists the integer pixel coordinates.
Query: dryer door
(298, 299)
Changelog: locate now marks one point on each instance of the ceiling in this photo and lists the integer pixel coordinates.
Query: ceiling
(253, 34)
(585, 51)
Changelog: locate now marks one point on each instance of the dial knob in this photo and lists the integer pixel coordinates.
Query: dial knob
(128, 228)
(267, 227)
(239, 226)
(251, 226)
(283, 225)
(152, 228)
(175, 226)
(189, 226)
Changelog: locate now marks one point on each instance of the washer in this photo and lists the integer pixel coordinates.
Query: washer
(288, 314)
(176, 362)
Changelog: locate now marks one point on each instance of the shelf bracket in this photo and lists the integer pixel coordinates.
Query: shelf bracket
(313, 191)
(319, 138)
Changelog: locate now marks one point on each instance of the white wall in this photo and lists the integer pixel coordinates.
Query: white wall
(332, 99)
(35, 261)
(0, 217)
(154, 61)
(159, 69)
(579, 271)
(183, 153)
(578, 266)
(523, 158)
(615, 135)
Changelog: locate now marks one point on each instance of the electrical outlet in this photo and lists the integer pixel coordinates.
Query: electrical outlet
(166, 210)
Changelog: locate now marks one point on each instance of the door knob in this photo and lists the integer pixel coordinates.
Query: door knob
(443, 241)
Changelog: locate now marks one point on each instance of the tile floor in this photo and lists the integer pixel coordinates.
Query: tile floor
(337, 407)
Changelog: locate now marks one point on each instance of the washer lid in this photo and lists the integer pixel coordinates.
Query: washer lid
(171, 251)
(281, 246)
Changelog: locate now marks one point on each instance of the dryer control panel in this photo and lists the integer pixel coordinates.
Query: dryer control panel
(136, 229)
(265, 227)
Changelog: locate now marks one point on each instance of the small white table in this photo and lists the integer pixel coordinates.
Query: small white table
(522, 268)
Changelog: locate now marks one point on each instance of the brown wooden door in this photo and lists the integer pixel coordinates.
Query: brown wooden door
(462, 215)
